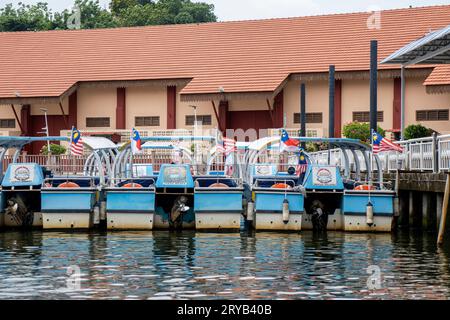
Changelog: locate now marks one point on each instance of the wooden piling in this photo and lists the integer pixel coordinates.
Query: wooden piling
(426, 211)
(445, 206)
(404, 209)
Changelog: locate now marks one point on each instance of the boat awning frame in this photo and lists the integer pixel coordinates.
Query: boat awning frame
(433, 48)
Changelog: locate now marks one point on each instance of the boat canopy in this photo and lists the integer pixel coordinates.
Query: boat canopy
(18, 142)
(179, 138)
(98, 143)
(341, 143)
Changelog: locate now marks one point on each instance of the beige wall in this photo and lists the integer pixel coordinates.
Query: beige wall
(152, 101)
(96, 102)
(316, 101)
(418, 99)
(146, 101)
(203, 108)
(356, 97)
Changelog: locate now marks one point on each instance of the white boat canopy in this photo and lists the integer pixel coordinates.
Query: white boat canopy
(99, 143)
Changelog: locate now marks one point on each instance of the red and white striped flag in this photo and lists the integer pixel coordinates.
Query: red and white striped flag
(76, 143)
(226, 145)
(380, 144)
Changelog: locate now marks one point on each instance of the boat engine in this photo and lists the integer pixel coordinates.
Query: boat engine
(20, 212)
(176, 213)
(319, 217)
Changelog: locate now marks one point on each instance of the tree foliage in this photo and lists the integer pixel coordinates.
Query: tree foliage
(55, 149)
(416, 131)
(360, 131)
(121, 13)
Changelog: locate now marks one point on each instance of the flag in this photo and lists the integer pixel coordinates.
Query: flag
(229, 164)
(379, 144)
(288, 144)
(76, 143)
(302, 164)
(226, 145)
(136, 145)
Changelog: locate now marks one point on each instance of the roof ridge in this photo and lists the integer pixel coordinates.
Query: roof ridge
(226, 22)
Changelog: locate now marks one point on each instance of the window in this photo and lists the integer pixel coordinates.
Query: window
(146, 121)
(7, 123)
(364, 116)
(311, 117)
(97, 122)
(203, 119)
(432, 115)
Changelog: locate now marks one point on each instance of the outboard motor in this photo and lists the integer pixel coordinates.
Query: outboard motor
(176, 213)
(21, 214)
(319, 216)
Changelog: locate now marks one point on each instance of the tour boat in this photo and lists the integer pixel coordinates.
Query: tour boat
(290, 193)
(175, 191)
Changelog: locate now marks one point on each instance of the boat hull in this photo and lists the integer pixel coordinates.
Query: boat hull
(130, 209)
(354, 211)
(218, 210)
(130, 221)
(269, 210)
(67, 209)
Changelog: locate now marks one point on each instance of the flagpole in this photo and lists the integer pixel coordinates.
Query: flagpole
(70, 151)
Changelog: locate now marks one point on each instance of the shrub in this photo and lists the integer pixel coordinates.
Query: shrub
(360, 131)
(55, 149)
(416, 131)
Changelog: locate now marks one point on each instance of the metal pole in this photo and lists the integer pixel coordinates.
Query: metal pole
(373, 84)
(331, 84)
(402, 102)
(303, 112)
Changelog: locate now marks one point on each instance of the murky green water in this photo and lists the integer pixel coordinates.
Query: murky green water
(189, 265)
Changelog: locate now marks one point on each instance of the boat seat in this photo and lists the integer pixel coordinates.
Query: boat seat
(82, 183)
(219, 185)
(69, 184)
(268, 183)
(144, 183)
(207, 183)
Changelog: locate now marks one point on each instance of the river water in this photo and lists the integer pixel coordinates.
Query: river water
(190, 265)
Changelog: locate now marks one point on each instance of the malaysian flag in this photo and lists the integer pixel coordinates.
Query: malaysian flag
(227, 146)
(76, 143)
(302, 164)
(380, 144)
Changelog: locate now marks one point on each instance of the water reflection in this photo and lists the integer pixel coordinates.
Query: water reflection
(190, 265)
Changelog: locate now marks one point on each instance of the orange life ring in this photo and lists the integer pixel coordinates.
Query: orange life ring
(219, 185)
(132, 185)
(365, 187)
(281, 186)
(68, 184)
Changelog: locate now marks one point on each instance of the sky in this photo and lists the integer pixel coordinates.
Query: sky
(227, 10)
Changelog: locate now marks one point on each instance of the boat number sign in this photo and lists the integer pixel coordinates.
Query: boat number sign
(325, 176)
(22, 173)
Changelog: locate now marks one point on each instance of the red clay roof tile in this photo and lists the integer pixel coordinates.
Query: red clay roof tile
(241, 56)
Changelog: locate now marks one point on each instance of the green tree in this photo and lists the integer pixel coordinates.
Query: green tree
(122, 13)
(360, 131)
(25, 17)
(416, 131)
(55, 149)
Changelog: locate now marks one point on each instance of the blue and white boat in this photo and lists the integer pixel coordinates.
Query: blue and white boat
(327, 196)
(176, 193)
(52, 195)
(76, 200)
